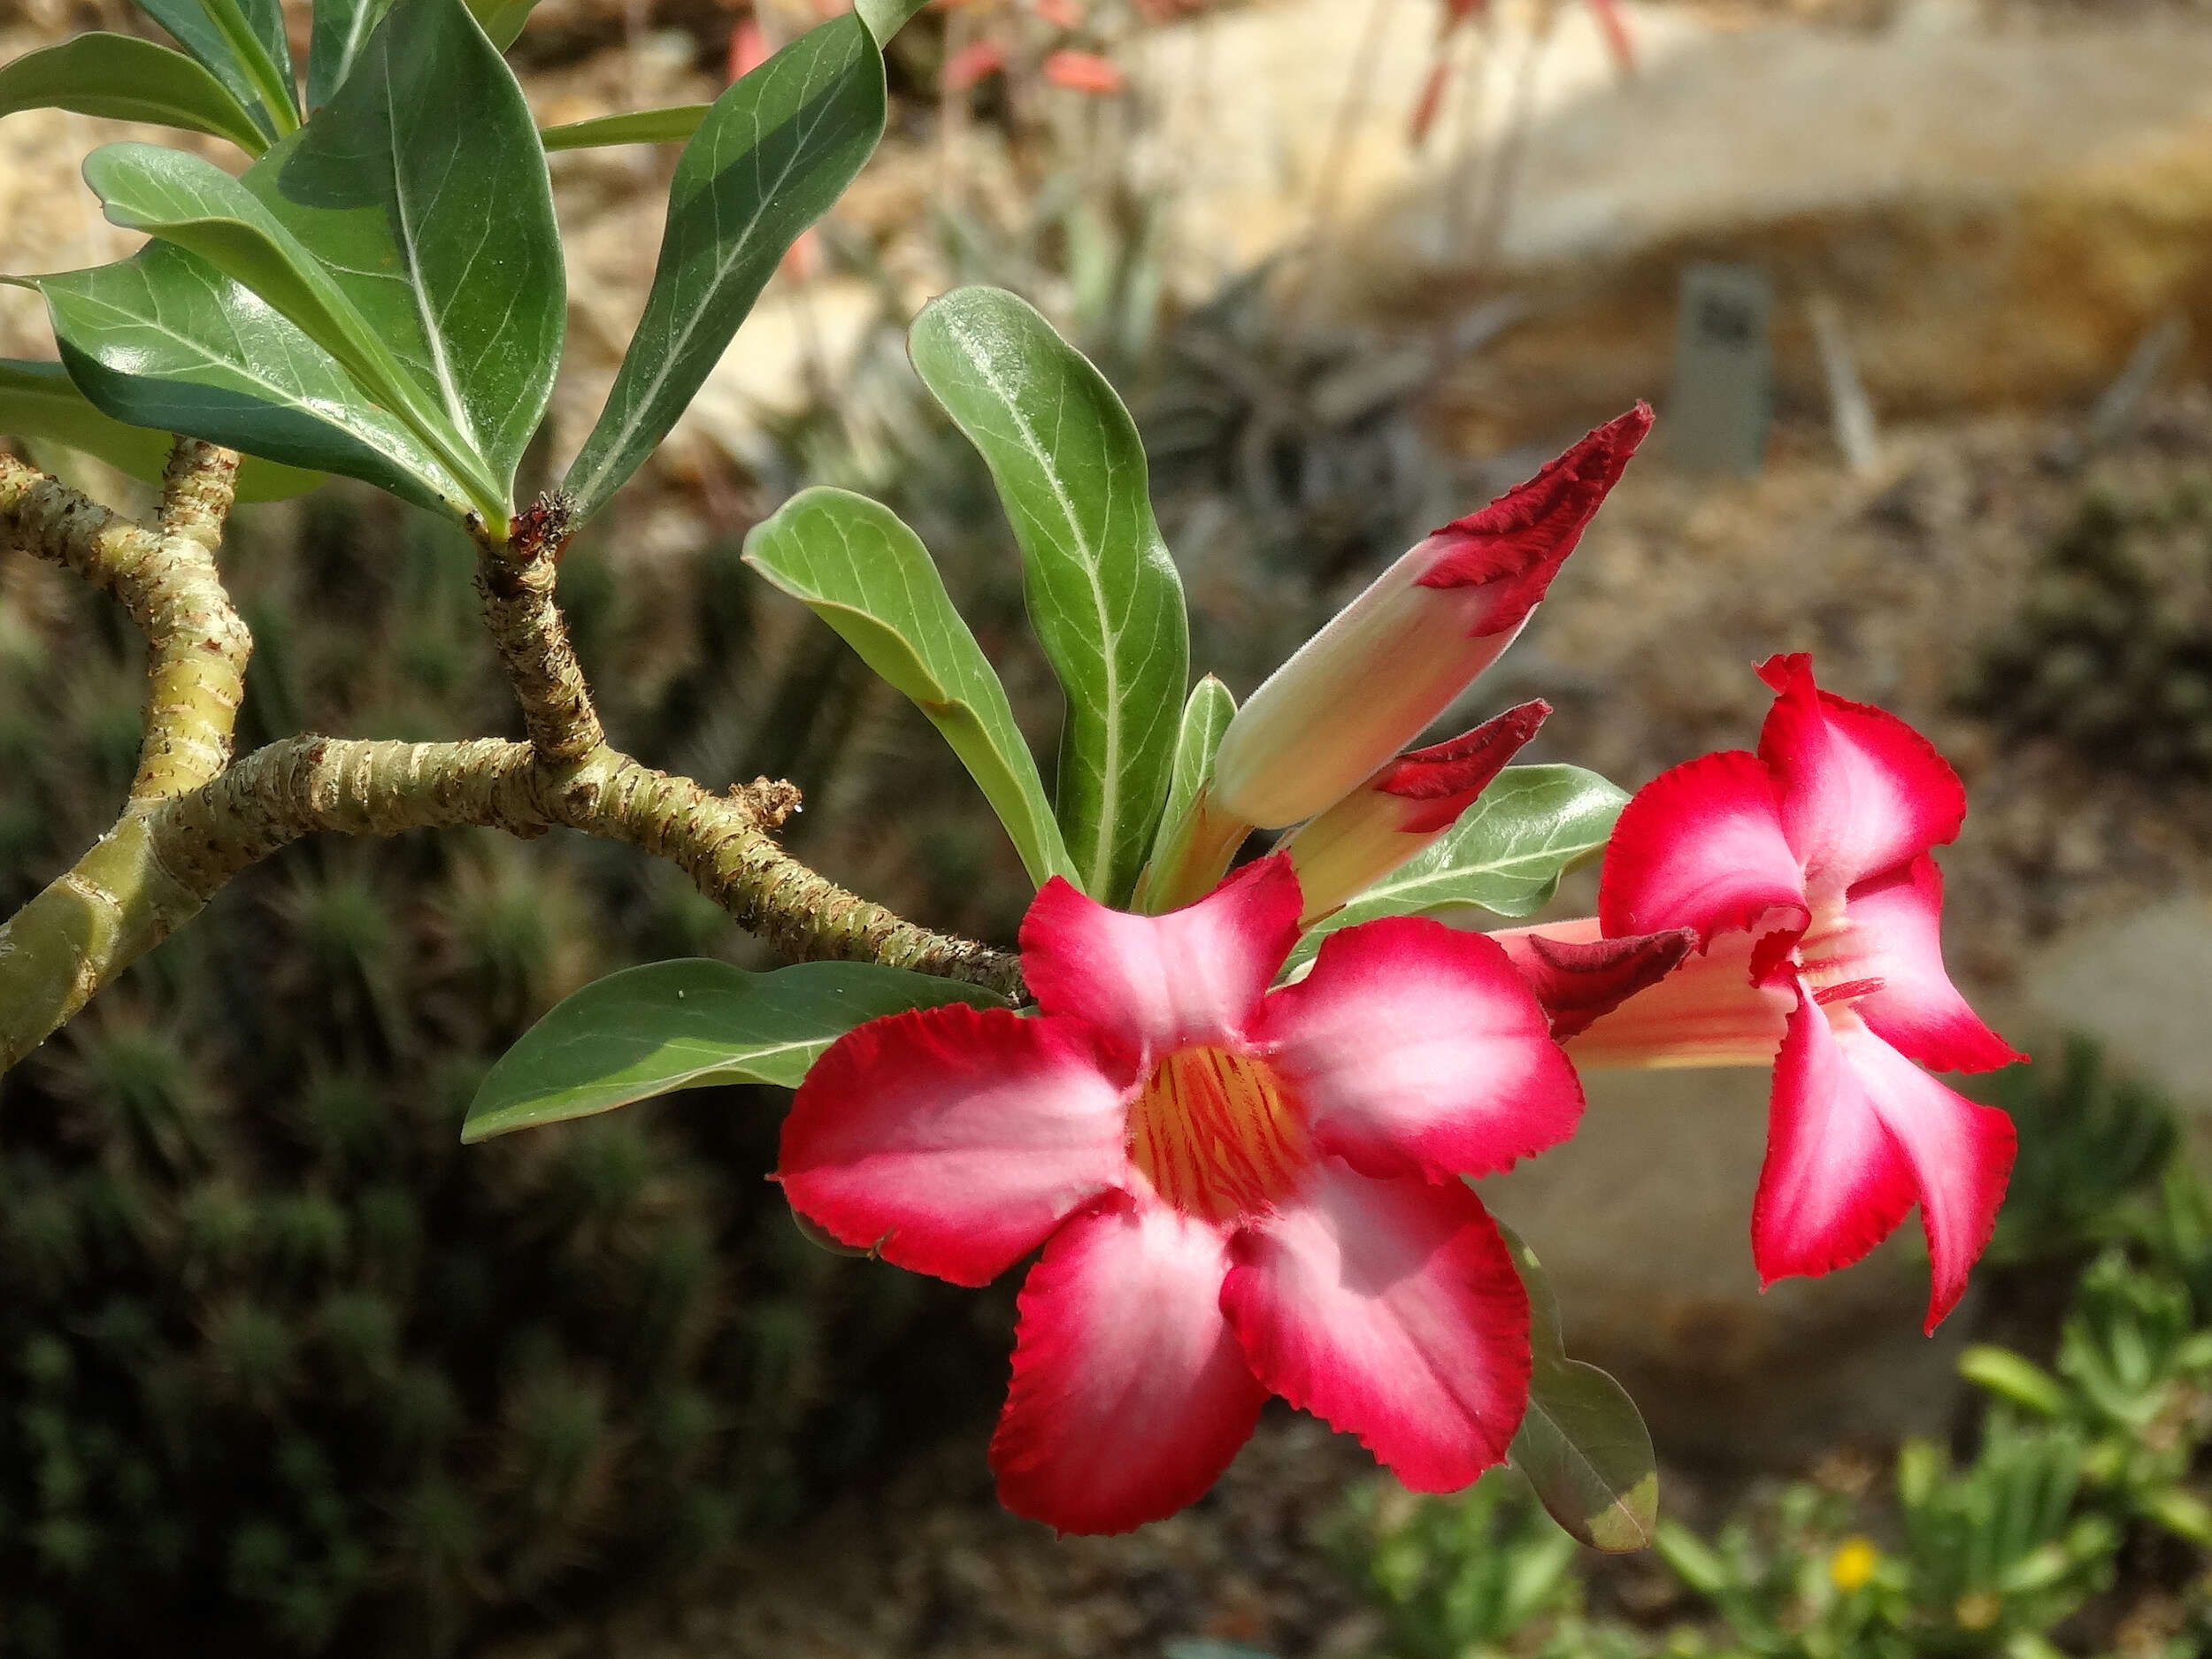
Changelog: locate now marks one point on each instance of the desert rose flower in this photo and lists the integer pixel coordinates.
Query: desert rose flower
(1403, 808)
(1239, 1191)
(1390, 661)
(1804, 872)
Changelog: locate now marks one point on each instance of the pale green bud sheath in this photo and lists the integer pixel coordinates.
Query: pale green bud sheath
(1394, 658)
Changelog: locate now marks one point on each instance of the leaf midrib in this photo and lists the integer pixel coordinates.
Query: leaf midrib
(1109, 801)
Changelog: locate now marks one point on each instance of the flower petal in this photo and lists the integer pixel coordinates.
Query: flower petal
(1859, 790)
(1961, 1153)
(1858, 1134)
(1417, 1047)
(1701, 846)
(1391, 1310)
(1835, 1183)
(1893, 933)
(1131, 1395)
(953, 1140)
(1155, 982)
(1579, 975)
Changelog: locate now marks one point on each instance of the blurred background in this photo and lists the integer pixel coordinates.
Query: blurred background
(1922, 292)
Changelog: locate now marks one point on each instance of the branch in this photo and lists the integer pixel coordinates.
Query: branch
(167, 581)
(196, 819)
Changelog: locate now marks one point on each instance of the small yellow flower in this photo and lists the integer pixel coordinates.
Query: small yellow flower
(1851, 1566)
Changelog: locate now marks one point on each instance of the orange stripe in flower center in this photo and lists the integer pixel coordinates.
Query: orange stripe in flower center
(1218, 1134)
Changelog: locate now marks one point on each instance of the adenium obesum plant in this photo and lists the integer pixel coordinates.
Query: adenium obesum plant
(1234, 1106)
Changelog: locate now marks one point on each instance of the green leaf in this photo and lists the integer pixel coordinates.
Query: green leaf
(210, 33)
(501, 21)
(1583, 1446)
(886, 17)
(342, 27)
(128, 80)
(772, 154)
(1504, 857)
(1103, 594)
(164, 340)
(868, 576)
(39, 401)
(1206, 716)
(672, 1025)
(440, 230)
(194, 205)
(669, 126)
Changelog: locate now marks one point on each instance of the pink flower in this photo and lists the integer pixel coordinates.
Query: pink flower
(1804, 871)
(1393, 659)
(1239, 1191)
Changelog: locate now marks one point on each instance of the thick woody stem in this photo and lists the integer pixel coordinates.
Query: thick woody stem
(169, 584)
(196, 819)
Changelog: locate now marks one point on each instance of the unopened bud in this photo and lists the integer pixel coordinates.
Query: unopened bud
(1394, 658)
(1402, 809)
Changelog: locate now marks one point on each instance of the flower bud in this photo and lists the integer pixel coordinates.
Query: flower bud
(1402, 809)
(1393, 659)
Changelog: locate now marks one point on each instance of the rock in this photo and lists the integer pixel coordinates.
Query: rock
(1999, 216)
(1643, 1222)
(2136, 983)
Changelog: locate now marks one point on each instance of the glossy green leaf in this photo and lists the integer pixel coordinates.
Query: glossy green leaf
(772, 154)
(1206, 716)
(197, 206)
(502, 19)
(163, 340)
(125, 79)
(1583, 1445)
(672, 1025)
(39, 401)
(1504, 857)
(886, 17)
(1103, 594)
(343, 28)
(669, 126)
(868, 576)
(243, 43)
(441, 231)
(194, 28)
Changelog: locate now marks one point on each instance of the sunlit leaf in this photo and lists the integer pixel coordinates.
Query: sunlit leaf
(441, 231)
(341, 29)
(674, 1025)
(39, 401)
(886, 17)
(1504, 857)
(243, 45)
(1103, 595)
(869, 577)
(1583, 1446)
(164, 340)
(124, 79)
(1206, 716)
(671, 126)
(773, 152)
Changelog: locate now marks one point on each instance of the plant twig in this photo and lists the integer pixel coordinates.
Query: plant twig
(196, 818)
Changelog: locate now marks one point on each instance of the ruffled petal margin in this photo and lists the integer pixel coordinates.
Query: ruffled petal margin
(1129, 1394)
(952, 1140)
(1894, 933)
(1701, 846)
(1859, 791)
(1418, 1049)
(1391, 1310)
(1196, 975)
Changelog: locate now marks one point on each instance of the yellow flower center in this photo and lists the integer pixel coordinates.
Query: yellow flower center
(1853, 1565)
(1218, 1134)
